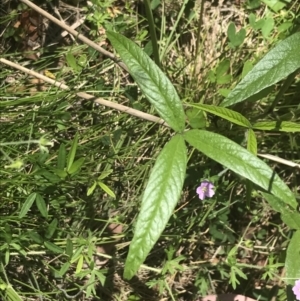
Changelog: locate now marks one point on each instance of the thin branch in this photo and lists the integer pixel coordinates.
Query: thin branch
(84, 95)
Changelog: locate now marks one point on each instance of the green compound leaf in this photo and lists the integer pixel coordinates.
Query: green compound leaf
(159, 200)
(153, 82)
(292, 262)
(277, 64)
(241, 161)
(281, 126)
(225, 113)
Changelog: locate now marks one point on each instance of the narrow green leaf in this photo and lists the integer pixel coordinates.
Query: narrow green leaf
(64, 268)
(51, 228)
(281, 126)
(19, 248)
(277, 64)
(158, 202)
(69, 247)
(7, 233)
(100, 276)
(247, 68)
(251, 142)
(241, 161)
(61, 158)
(288, 216)
(225, 113)
(90, 286)
(105, 174)
(61, 173)
(285, 26)
(222, 68)
(41, 204)
(77, 254)
(72, 62)
(11, 294)
(91, 189)
(82, 61)
(50, 176)
(221, 72)
(53, 247)
(152, 81)
(107, 189)
(76, 166)
(72, 152)
(276, 204)
(27, 205)
(7, 257)
(292, 262)
(79, 264)
(36, 237)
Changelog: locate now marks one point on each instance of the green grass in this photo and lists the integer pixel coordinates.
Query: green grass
(203, 241)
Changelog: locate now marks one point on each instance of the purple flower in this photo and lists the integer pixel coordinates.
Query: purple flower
(296, 289)
(205, 190)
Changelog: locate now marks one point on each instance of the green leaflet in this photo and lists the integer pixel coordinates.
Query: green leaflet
(281, 126)
(277, 64)
(292, 262)
(153, 82)
(241, 161)
(158, 202)
(225, 113)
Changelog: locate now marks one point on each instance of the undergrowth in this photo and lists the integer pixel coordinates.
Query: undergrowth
(73, 170)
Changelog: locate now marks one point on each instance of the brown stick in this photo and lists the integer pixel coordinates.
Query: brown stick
(84, 95)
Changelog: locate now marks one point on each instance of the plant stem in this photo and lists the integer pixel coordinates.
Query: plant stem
(152, 32)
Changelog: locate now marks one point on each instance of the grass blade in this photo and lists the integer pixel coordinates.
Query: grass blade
(72, 153)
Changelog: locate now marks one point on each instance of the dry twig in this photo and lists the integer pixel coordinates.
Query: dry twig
(84, 95)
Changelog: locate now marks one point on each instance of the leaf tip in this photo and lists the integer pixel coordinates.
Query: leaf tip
(128, 273)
